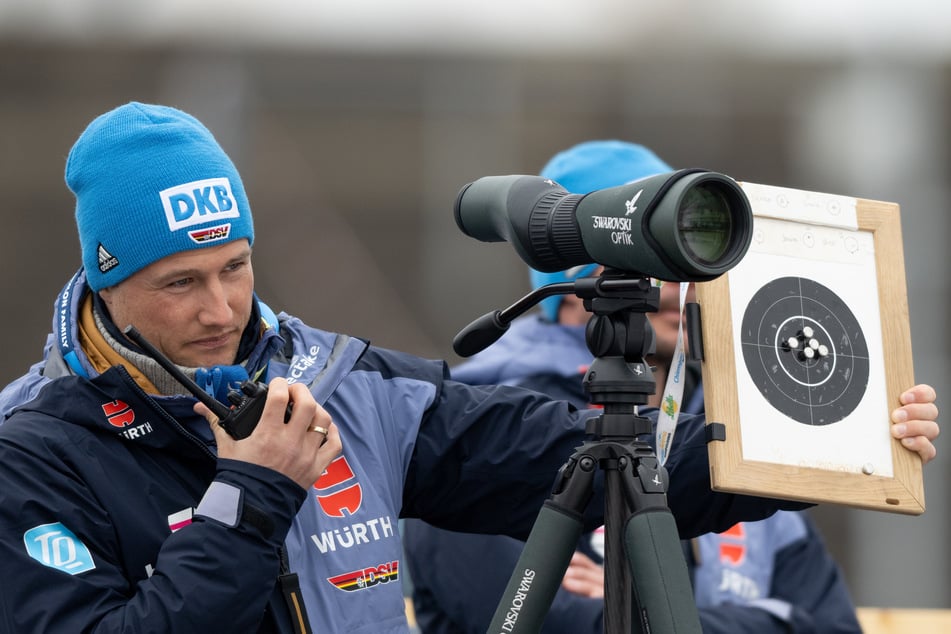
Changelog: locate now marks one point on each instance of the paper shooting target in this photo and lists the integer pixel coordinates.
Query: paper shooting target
(805, 351)
(803, 360)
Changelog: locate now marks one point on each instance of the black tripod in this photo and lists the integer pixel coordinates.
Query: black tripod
(652, 594)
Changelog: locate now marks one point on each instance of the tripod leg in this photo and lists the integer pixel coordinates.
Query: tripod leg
(617, 576)
(663, 594)
(539, 571)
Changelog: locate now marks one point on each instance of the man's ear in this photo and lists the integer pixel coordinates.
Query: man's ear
(105, 294)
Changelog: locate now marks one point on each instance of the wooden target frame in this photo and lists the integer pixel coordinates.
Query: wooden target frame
(755, 373)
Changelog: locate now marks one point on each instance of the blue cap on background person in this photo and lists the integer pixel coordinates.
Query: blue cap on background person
(151, 181)
(585, 168)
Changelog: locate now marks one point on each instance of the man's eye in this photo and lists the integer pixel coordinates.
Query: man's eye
(181, 283)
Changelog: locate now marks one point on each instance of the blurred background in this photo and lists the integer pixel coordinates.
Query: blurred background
(355, 124)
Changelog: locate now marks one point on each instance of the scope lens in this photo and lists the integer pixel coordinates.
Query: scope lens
(705, 222)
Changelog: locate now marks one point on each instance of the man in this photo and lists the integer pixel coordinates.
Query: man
(121, 510)
(758, 577)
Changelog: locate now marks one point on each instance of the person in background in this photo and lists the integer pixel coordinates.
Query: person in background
(774, 575)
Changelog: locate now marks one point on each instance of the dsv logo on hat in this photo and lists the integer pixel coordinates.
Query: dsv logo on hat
(198, 202)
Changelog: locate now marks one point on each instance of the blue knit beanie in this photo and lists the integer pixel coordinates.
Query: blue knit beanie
(151, 181)
(585, 168)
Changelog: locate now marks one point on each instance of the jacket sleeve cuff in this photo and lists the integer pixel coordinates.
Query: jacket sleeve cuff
(245, 494)
(222, 502)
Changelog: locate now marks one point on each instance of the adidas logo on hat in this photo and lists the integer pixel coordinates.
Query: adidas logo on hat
(106, 259)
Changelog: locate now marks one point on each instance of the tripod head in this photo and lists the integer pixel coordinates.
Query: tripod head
(612, 292)
(618, 331)
(618, 334)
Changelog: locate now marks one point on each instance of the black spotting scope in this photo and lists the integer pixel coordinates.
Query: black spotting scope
(691, 225)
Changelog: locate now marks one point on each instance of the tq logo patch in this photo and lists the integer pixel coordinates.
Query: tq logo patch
(56, 546)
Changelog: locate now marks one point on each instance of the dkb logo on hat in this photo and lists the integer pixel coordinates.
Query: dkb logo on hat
(151, 181)
(188, 204)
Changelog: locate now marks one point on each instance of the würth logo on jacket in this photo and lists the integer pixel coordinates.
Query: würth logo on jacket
(733, 545)
(338, 491)
(119, 414)
(366, 577)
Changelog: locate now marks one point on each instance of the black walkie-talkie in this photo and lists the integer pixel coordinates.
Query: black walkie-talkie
(247, 403)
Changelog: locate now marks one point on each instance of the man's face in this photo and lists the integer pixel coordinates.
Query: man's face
(667, 317)
(192, 306)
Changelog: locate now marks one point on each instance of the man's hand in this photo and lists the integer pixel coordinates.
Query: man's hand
(916, 421)
(584, 577)
(296, 449)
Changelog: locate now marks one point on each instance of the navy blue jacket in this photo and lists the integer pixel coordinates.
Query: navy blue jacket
(116, 515)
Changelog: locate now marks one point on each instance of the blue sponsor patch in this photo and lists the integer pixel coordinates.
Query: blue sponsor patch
(56, 546)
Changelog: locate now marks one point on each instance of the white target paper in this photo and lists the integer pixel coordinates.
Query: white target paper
(809, 358)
